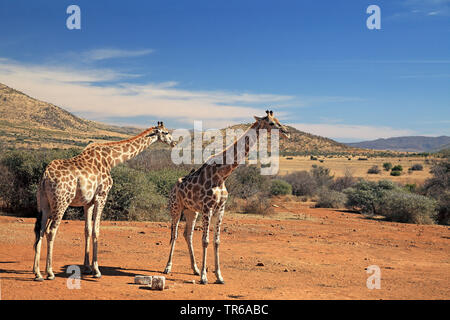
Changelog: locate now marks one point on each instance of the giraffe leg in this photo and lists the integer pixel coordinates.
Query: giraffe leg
(88, 210)
(176, 216)
(51, 234)
(98, 209)
(218, 222)
(206, 221)
(40, 227)
(191, 217)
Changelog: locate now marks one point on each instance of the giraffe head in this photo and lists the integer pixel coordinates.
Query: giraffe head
(269, 122)
(163, 134)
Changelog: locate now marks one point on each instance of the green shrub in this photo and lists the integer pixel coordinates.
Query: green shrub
(387, 166)
(280, 187)
(374, 170)
(134, 197)
(367, 196)
(417, 167)
(331, 199)
(438, 187)
(23, 171)
(247, 181)
(397, 168)
(396, 173)
(403, 206)
(165, 179)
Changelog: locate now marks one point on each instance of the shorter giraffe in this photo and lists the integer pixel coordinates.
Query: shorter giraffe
(84, 181)
(203, 191)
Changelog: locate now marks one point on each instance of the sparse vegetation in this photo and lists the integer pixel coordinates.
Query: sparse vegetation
(330, 199)
(280, 187)
(302, 182)
(374, 170)
(387, 166)
(417, 167)
(403, 206)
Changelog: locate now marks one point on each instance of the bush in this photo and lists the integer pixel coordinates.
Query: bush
(367, 196)
(322, 176)
(374, 170)
(396, 173)
(417, 167)
(165, 179)
(22, 173)
(387, 166)
(280, 187)
(397, 168)
(342, 183)
(247, 181)
(403, 206)
(134, 197)
(438, 187)
(302, 182)
(258, 204)
(331, 199)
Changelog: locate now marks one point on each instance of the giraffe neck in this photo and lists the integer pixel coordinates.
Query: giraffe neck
(239, 149)
(114, 153)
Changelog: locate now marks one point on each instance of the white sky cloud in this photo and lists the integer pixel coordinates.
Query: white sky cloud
(102, 54)
(76, 91)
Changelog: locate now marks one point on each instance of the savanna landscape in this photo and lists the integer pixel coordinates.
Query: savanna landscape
(309, 232)
(224, 152)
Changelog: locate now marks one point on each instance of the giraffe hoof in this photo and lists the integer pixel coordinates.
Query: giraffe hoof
(196, 272)
(221, 281)
(87, 270)
(40, 279)
(98, 275)
(203, 281)
(166, 271)
(51, 277)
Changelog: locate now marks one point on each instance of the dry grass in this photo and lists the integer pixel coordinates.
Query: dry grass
(358, 168)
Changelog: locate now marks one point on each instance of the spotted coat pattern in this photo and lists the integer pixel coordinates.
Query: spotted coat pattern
(84, 181)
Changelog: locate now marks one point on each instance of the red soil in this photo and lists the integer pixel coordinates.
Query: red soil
(305, 254)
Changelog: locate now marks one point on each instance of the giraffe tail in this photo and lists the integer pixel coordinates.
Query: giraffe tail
(42, 205)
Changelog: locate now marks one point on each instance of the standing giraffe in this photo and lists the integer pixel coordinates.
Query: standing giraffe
(204, 191)
(84, 181)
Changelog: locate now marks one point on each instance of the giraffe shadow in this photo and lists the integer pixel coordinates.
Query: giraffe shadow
(8, 274)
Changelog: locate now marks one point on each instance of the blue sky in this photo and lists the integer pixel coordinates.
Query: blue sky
(315, 63)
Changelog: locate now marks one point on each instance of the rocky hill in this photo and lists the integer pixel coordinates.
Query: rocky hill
(28, 123)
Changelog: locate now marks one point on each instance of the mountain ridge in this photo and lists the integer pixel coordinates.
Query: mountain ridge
(406, 143)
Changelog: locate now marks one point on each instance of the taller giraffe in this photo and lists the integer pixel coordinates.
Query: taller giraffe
(204, 191)
(84, 181)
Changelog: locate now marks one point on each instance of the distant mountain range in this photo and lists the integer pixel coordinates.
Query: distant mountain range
(409, 143)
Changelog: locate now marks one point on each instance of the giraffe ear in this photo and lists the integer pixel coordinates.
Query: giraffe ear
(271, 112)
(267, 111)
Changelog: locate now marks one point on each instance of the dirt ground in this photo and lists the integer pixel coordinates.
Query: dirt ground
(297, 253)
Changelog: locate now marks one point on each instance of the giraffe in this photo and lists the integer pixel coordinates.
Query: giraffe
(84, 181)
(203, 191)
